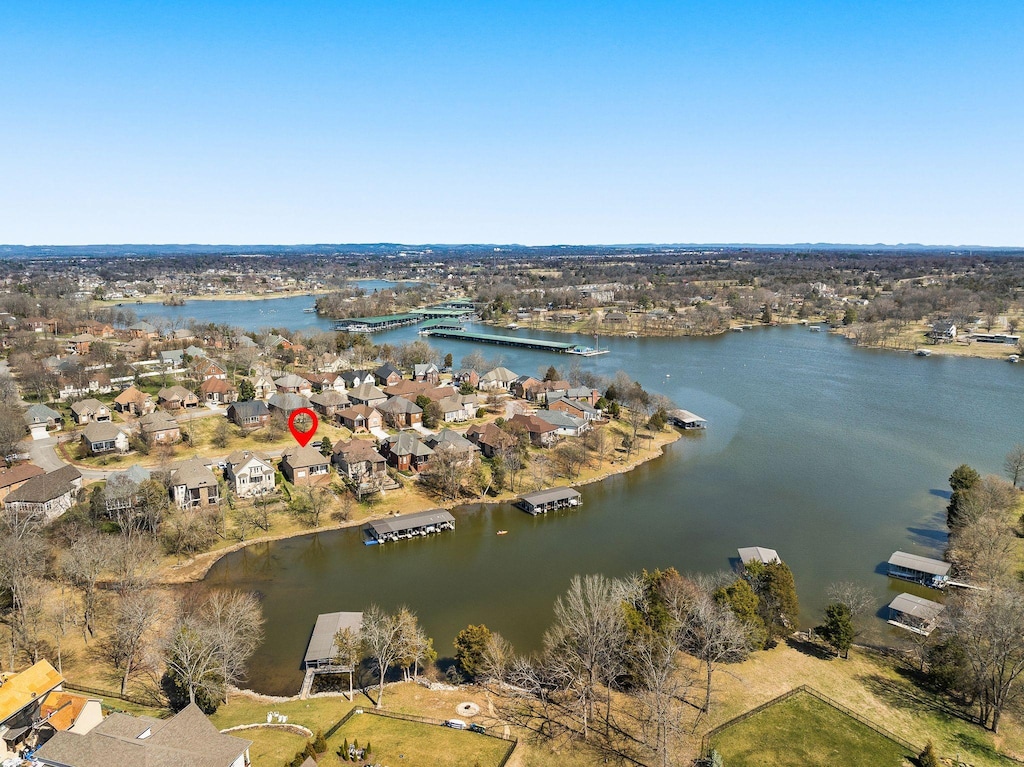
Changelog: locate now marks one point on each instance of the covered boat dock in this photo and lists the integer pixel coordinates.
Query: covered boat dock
(487, 338)
(933, 573)
(758, 554)
(375, 324)
(915, 614)
(684, 419)
(544, 501)
(322, 652)
(409, 526)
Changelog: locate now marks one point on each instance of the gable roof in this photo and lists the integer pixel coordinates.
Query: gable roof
(218, 385)
(329, 398)
(240, 458)
(499, 374)
(18, 473)
(386, 370)
(174, 392)
(367, 391)
(41, 414)
(407, 443)
(130, 395)
(193, 473)
(357, 450)
(291, 381)
(452, 439)
(25, 688)
(358, 411)
(101, 432)
(46, 487)
(158, 421)
(397, 405)
(301, 457)
(288, 401)
(531, 423)
(62, 708)
(249, 408)
(90, 405)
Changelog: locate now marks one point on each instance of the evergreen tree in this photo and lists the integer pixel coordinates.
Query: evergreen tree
(961, 481)
(246, 391)
(326, 448)
(928, 757)
(470, 645)
(838, 628)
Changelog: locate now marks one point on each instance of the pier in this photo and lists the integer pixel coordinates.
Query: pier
(409, 526)
(544, 501)
(487, 338)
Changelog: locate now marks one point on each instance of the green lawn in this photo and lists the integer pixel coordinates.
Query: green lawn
(398, 742)
(803, 731)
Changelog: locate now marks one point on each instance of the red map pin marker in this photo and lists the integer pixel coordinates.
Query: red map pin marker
(302, 437)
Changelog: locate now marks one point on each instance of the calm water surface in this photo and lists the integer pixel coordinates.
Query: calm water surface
(833, 455)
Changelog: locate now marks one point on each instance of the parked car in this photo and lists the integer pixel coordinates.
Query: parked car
(477, 728)
(455, 724)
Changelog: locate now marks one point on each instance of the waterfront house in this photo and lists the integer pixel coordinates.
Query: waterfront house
(387, 375)
(490, 438)
(122, 490)
(566, 425)
(249, 414)
(250, 473)
(187, 739)
(452, 440)
(305, 466)
(193, 484)
(13, 477)
(104, 438)
(46, 496)
(575, 408)
(367, 394)
(360, 418)
(915, 614)
(90, 411)
(542, 434)
(405, 451)
(400, 413)
(21, 697)
(426, 372)
(143, 330)
(160, 428)
(135, 402)
(943, 331)
(359, 460)
(176, 397)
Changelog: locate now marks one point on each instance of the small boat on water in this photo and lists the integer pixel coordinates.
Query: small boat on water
(503, 532)
(310, 310)
(815, 328)
(923, 352)
(1014, 358)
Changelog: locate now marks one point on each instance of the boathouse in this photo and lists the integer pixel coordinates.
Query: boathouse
(409, 526)
(758, 554)
(544, 501)
(684, 419)
(915, 614)
(911, 567)
(376, 324)
(323, 654)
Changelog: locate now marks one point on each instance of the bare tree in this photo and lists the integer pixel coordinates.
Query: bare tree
(190, 655)
(234, 620)
(311, 503)
(136, 615)
(447, 470)
(662, 685)
(1014, 465)
(87, 558)
(381, 637)
(857, 598)
(349, 647)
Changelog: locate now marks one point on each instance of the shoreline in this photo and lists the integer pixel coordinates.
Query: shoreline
(198, 567)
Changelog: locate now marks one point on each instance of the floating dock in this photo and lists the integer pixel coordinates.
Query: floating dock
(915, 614)
(933, 573)
(544, 501)
(376, 324)
(758, 554)
(409, 526)
(487, 338)
(684, 419)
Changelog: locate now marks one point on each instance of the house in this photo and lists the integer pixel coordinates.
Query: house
(584, 394)
(122, 490)
(293, 384)
(206, 368)
(159, 428)
(83, 382)
(63, 711)
(367, 394)
(305, 466)
(574, 407)
(466, 375)
(542, 390)
(90, 410)
(17, 475)
(177, 397)
(40, 325)
(360, 418)
(408, 389)
(187, 739)
(566, 425)
(172, 358)
(217, 391)
(452, 440)
(353, 378)
(328, 402)
(46, 495)
(326, 382)
(455, 410)
(288, 403)
(249, 414)
(21, 697)
(104, 438)
(250, 474)
(359, 460)
(193, 484)
(387, 375)
(143, 330)
(405, 452)
(490, 439)
(43, 417)
(520, 386)
(426, 372)
(497, 379)
(542, 434)
(400, 413)
(943, 331)
(264, 387)
(133, 401)
(81, 343)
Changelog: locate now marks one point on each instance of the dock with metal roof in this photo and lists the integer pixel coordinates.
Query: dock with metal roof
(543, 501)
(933, 573)
(915, 614)
(409, 526)
(375, 324)
(487, 338)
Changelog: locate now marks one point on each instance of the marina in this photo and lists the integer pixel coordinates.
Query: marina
(377, 324)
(536, 344)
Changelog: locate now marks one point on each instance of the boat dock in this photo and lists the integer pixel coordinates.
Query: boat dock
(544, 501)
(684, 419)
(915, 614)
(409, 526)
(488, 338)
(376, 324)
(933, 573)
(322, 652)
(758, 554)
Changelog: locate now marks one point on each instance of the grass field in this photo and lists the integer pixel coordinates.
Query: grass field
(805, 731)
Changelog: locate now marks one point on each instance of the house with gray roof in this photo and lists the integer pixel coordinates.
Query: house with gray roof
(565, 425)
(293, 384)
(187, 739)
(193, 484)
(250, 473)
(305, 466)
(498, 378)
(367, 394)
(47, 495)
(104, 438)
(249, 414)
(288, 403)
(405, 451)
(42, 416)
(328, 402)
(401, 413)
(359, 460)
(160, 428)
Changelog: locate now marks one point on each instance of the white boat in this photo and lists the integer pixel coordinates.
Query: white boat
(923, 352)
(815, 328)
(1014, 358)
(310, 310)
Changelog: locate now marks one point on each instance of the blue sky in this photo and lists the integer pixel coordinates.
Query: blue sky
(569, 122)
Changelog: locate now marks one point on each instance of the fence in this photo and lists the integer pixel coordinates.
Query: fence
(705, 747)
(116, 695)
(512, 741)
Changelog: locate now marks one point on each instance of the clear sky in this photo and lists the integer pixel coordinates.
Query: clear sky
(168, 121)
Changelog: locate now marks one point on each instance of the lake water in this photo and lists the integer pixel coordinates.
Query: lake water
(834, 456)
